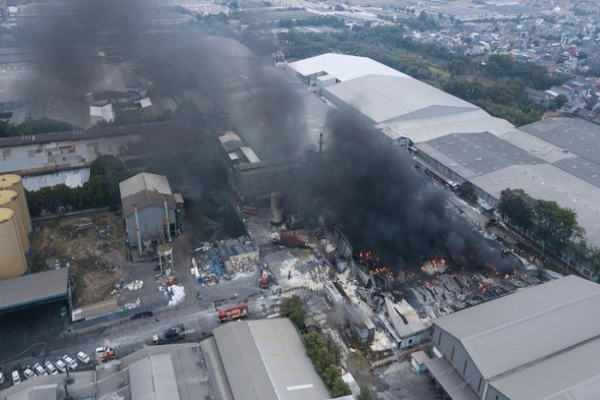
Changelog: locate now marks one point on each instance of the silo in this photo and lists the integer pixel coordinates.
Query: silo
(10, 199)
(14, 182)
(12, 260)
(276, 208)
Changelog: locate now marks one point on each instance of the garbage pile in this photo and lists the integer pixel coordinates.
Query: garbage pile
(176, 294)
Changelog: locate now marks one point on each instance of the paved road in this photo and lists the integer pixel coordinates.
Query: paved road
(48, 333)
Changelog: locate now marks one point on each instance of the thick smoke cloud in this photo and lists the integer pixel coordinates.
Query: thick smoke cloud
(384, 205)
(65, 40)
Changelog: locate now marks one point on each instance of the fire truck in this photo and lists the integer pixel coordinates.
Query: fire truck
(233, 314)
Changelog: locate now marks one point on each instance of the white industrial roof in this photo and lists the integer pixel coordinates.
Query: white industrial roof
(530, 332)
(250, 155)
(390, 98)
(145, 189)
(265, 359)
(153, 378)
(145, 181)
(410, 324)
(423, 129)
(342, 67)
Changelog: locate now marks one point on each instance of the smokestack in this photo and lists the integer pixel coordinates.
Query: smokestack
(167, 226)
(276, 208)
(137, 230)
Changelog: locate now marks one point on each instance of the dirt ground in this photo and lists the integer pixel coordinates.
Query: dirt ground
(92, 245)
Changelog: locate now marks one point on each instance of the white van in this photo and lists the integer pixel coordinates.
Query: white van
(16, 378)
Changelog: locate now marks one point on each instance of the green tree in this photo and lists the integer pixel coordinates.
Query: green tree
(555, 225)
(557, 102)
(291, 307)
(517, 206)
(365, 393)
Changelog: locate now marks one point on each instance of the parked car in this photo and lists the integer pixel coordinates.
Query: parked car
(39, 370)
(60, 366)
(16, 378)
(50, 368)
(84, 358)
(1, 378)
(71, 364)
(28, 373)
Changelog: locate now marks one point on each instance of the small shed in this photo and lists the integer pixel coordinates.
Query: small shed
(417, 360)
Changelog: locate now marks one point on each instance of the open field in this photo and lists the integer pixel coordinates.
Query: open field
(93, 247)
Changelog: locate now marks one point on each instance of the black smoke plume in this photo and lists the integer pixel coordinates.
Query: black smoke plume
(384, 205)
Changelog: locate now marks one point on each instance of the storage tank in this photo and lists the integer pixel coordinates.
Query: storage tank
(12, 260)
(10, 199)
(276, 208)
(14, 182)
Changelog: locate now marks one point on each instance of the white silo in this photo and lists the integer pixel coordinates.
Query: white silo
(10, 199)
(14, 182)
(276, 208)
(12, 260)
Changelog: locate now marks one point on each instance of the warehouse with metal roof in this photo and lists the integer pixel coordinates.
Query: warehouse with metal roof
(555, 159)
(148, 207)
(35, 288)
(531, 345)
(266, 360)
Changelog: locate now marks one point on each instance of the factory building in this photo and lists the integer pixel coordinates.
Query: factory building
(246, 360)
(76, 113)
(454, 141)
(149, 209)
(405, 325)
(249, 176)
(538, 343)
(264, 360)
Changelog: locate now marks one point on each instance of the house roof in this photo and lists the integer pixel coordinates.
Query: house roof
(145, 189)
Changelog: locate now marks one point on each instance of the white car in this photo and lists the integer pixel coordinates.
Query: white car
(60, 366)
(28, 373)
(84, 358)
(50, 368)
(16, 378)
(39, 370)
(71, 364)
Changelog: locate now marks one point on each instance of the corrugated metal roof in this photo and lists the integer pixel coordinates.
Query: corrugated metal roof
(391, 98)
(450, 380)
(266, 359)
(343, 67)
(33, 288)
(532, 332)
(145, 189)
(410, 324)
(574, 375)
(153, 378)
